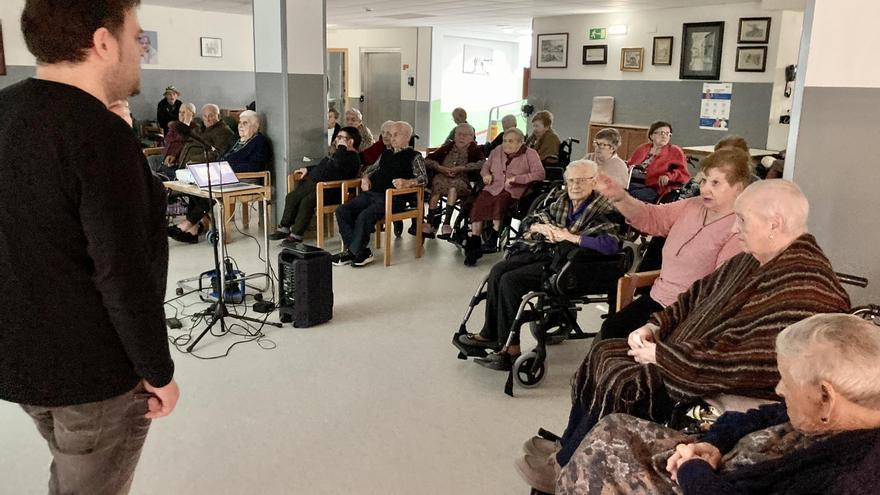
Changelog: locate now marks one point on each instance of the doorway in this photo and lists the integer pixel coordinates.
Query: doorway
(337, 79)
(380, 87)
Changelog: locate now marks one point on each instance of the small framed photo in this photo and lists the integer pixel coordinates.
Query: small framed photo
(662, 54)
(631, 59)
(552, 51)
(595, 54)
(212, 47)
(754, 30)
(751, 58)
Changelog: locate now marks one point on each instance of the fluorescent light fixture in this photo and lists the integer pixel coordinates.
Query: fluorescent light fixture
(617, 29)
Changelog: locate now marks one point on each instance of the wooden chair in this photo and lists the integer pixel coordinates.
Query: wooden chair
(325, 213)
(229, 206)
(628, 284)
(156, 150)
(390, 217)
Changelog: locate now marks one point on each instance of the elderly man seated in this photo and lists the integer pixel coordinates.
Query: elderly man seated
(300, 204)
(354, 118)
(579, 217)
(251, 153)
(216, 133)
(825, 437)
(451, 164)
(716, 338)
(399, 167)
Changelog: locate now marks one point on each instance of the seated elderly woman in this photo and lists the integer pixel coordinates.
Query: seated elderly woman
(354, 118)
(658, 166)
(175, 140)
(718, 336)
(251, 153)
(506, 175)
(604, 153)
(579, 217)
(451, 164)
(825, 437)
(544, 139)
(697, 231)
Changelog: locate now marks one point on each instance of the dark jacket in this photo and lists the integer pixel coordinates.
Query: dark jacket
(218, 135)
(252, 157)
(166, 113)
(96, 266)
(342, 165)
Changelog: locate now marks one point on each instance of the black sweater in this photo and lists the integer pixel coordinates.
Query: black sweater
(83, 246)
(342, 165)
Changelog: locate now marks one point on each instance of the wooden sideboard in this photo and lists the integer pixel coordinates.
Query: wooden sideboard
(631, 136)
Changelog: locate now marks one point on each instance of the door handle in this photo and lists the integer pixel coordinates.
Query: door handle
(361, 99)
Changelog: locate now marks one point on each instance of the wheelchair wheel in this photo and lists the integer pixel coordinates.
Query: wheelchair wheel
(527, 371)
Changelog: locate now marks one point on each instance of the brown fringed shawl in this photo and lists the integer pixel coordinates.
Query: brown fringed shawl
(719, 336)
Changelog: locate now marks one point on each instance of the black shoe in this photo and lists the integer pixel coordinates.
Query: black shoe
(186, 237)
(291, 241)
(491, 244)
(278, 235)
(472, 250)
(398, 228)
(500, 361)
(470, 340)
(173, 230)
(343, 258)
(363, 258)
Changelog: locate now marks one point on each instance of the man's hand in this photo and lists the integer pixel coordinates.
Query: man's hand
(487, 179)
(301, 172)
(163, 400)
(686, 452)
(365, 183)
(401, 183)
(169, 160)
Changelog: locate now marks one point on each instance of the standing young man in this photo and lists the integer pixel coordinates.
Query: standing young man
(92, 366)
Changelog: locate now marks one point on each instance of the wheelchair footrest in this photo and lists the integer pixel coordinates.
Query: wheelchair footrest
(466, 351)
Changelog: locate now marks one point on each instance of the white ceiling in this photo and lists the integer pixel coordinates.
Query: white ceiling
(482, 15)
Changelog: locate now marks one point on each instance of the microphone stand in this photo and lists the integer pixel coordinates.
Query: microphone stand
(217, 311)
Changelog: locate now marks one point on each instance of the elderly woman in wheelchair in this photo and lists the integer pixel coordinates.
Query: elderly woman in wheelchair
(578, 218)
(716, 338)
(825, 437)
(451, 164)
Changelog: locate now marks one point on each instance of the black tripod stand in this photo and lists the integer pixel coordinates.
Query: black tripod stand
(217, 312)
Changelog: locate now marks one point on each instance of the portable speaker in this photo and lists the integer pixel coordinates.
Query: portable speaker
(305, 286)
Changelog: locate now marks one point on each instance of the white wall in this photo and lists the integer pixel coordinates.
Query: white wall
(790, 26)
(643, 26)
(838, 61)
(178, 37)
(408, 40)
(474, 92)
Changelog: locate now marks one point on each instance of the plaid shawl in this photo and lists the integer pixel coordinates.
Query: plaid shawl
(595, 220)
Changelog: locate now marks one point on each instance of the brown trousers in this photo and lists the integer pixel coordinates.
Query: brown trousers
(95, 446)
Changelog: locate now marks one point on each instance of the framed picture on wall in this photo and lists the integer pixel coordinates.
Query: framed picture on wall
(552, 51)
(212, 47)
(632, 59)
(2, 55)
(595, 54)
(701, 50)
(754, 30)
(662, 54)
(751, 58)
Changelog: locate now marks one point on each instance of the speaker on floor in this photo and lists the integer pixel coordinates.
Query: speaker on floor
(306, 286)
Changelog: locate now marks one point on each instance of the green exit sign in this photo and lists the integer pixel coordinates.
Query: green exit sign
(597, 33)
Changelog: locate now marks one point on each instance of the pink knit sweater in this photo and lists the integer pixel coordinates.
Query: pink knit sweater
(692, 250)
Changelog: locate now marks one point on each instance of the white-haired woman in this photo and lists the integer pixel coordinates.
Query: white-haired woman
(354, 118)
(578, 217)
(825, 437)
(717, 337)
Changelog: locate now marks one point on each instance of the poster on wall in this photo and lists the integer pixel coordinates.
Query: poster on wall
(476, 60)
(715, 106)
(149, 41)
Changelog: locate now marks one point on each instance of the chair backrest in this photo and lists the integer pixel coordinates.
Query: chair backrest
(156, 150)
(628, 284)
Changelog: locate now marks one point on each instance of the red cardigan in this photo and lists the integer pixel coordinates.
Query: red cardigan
(670, 162)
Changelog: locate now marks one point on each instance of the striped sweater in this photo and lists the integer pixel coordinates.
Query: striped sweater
(719, 336)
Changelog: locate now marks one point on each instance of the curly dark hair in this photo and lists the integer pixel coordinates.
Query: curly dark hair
(61, 30)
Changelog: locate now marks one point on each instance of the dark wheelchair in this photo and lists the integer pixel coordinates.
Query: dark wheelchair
(573, 278)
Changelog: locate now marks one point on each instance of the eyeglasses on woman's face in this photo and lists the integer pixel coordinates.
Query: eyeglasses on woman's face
(662, 133)
(601, 144)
